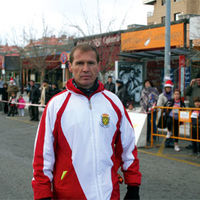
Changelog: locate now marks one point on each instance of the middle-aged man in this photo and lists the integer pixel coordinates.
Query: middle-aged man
(84, 136)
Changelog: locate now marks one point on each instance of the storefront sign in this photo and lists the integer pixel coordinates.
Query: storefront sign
(152, 38)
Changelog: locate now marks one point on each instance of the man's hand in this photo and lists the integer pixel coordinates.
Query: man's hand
(132, 193)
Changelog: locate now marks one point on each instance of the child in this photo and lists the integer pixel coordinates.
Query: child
(21, 105)
(172, 119)
(12, 104)
(195, 116)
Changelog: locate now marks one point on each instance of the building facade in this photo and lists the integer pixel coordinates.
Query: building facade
(179, 10)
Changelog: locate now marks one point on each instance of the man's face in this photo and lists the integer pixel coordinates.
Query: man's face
(109, 80)
(31, 83)
(84, 68)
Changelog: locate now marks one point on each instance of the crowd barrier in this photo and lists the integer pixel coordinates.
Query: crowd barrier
(185, 125)
(26, 104)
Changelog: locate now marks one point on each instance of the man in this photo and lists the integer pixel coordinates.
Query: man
(110, 85)
(34, 96)
(45, 92)
(192, 91)
(83, 137)
(121, 92)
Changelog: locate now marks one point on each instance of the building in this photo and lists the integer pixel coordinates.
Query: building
(179, 9)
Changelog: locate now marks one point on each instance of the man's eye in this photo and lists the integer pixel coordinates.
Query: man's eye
(91, 63)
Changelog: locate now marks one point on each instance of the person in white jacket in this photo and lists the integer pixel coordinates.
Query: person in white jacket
(84, 136)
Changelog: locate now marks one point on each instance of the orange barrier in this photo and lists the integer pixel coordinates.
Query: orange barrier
(185, 125)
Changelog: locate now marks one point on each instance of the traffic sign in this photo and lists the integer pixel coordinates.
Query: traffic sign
(63, 57)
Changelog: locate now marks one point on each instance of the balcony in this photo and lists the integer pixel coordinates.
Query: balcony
(149, 2)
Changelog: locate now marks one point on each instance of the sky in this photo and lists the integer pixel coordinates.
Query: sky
(61, 16)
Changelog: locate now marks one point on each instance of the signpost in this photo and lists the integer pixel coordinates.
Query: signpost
(63, 59)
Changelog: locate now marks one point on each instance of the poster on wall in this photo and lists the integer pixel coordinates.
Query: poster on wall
(132, 76)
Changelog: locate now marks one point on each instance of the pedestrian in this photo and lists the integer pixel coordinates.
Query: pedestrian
(192, 91)
(121, 92)
(149, 97)
(34, 96)
(54, 90)
(12, 102)
(195, 116)
(12, 88)
(172, 119)
(5, 97)
(21, 105)
(163, 100)
(84, 136)
(1, 90)
(45, 92)
(110, 85)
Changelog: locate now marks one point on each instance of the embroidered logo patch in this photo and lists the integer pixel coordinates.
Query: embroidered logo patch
(105, 119)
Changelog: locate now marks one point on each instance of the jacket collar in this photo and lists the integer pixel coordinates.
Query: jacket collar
(72, 87)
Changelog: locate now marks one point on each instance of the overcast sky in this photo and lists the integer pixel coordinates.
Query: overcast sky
(58, 15)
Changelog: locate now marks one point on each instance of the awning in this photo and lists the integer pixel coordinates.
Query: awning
(157, 54)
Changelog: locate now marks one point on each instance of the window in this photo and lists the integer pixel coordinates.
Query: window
(163, 2)
(177, 0)
(163, 20)
(177, 16)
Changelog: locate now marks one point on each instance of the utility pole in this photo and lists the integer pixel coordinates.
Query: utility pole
(167, 39)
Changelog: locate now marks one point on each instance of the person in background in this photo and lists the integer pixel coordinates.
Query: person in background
(163, 100)
(12, 88)
(21, 105)
(195, 116)
(83, 137)
(45, 92)
(54, 89)
(110, 85)
(5, 97)
(121, 92)
(130, 106)
(34, 96)
(192, 91)
(149, 97)
(1, 89)
(12, 102)
(172, 119)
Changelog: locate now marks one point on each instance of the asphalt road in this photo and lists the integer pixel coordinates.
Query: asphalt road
(166, 174)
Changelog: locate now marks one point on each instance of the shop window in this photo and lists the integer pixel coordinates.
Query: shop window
(177, 16)
(163, 2)
(163, 20)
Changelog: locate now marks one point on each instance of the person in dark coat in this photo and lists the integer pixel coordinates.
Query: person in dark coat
(121, 93)
(54, 89)
(34, 96)
(5, 97)
(110, 85)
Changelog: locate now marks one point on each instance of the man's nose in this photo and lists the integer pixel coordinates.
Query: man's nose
(85, 67)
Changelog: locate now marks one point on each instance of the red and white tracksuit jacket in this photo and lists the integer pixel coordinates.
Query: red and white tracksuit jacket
(80, 144)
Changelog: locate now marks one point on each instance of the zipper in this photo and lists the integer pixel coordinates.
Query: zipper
(90, 105)
(95, 152)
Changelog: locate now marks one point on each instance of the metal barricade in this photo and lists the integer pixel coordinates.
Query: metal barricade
(188, 126)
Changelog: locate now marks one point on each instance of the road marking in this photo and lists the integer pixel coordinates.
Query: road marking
(169, 158)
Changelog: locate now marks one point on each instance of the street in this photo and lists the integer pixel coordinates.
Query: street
(165, 174)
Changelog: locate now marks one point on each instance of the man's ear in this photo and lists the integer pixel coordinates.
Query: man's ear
(70, 67)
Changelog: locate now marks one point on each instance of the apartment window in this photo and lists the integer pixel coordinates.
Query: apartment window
(163, 2)
(177, 16)
(163, 19)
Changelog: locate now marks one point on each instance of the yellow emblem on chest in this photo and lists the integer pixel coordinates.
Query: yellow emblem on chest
(105, 119)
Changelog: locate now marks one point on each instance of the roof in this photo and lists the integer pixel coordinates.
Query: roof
(156, 54)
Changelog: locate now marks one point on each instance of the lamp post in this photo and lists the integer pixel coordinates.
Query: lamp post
(167, 39)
